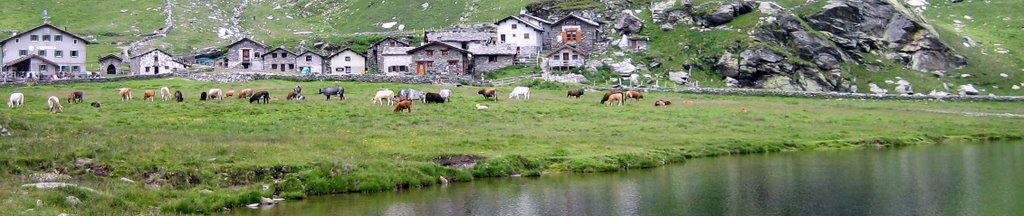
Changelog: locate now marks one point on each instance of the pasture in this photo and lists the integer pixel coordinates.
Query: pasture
(175, 151)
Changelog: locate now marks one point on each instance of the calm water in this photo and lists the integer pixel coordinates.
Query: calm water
(976, 179)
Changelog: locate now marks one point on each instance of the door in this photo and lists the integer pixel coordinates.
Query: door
(565, 59)
(156, 70)
(111, 69)
(245, 55)
(421, 68)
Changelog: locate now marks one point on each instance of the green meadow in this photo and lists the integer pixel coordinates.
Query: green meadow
(205, 156)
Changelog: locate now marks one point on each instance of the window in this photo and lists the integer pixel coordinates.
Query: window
(74, 53)
(46, 37)
(23, 52)
(428, 64)
(290, 66)
(444, 52)
(575, 57)
(273, 55)
(42, 53)
(17, 40)
(348, 69)
(571, 35)
(284, 55)
(273, 66)
(555, 57)
(513, 35)
(43, 68)
(65, 68)
(514, 26)
(403, 68)
(76, 41)
(58, 53)
(33, 38)
(258, 54)
(526, 35)
(392, 44)
(430, 53)
(167, 67)
(147, 69)
(58, 37)
(309, 58)
(75, 68)
(492, 58)
(348, 59)
(502, 38)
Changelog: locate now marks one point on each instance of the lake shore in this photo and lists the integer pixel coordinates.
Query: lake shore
(200, 157)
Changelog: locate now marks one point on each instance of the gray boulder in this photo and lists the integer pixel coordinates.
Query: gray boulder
(904, 88)
(726, 13)
(627, 23)
(681, 78)
(877, 90)
(72, 201)
(968, 90)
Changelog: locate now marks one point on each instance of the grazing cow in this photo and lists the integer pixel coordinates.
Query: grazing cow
(229, 94)
(616, 98)
(743, 110)
(610, 93)
(661, 102)
(297, 89)
(446, 94)
(575, 93)
(411, 94)
(433, 98)
(126, 94)
(178, 96)
(404, 105)
(54, 104)
(75, 97)
(383, 94)
(148, 95)
(262, 95)
(215, 94)
(202, 96)
(481, 107)
(300, 97)
(635, 95)
(520, 92)
(95, 105)
(339, 91)
(291, 96)
(16, 100)
(165, 93)
(245, 93)
(489, 93)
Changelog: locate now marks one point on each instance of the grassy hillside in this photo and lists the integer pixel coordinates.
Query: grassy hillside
(316, 147)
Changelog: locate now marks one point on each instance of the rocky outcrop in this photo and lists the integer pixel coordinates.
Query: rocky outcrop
(727, 12)
(628, 23)
(878, 27)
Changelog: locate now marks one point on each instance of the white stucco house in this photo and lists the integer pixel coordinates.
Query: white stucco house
(347, 61)
(43, 52)
(525, 36)
(155, 62)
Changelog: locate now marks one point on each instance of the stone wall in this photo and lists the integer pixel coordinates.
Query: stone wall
(826, 95)
(483, 64)
(73, 81)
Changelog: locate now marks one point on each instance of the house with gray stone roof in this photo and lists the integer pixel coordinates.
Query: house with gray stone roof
(245, 54)
(154, 62)
(279, 59)
(43, 51)
(491, 58)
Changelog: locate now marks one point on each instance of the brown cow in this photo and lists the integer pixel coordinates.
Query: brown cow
(292, 95)
(615, 99)
(230, 93)
(662, 102)
(743, 110)
(75, 97)
(245, 93)
(404, 105)
(575, 93)
(126, 94)
(149, 95)
(489, 93)
(609, 93)
(635, 95)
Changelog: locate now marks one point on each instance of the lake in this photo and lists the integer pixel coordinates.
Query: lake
(948, 179)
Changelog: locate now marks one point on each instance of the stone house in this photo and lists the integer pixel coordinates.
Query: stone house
(438, 57)
(583, 34)
(526, 37)
(396, 60)
(460, 39)
(375, 54)
(245, 54)
(155, 62)
(110, 64)
(310, 60)
(279, 59)
(491, 58)
(565, 58)
(43, 51)
(347, 61)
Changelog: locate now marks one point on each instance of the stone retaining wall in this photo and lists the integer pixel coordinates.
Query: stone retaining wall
(826, 95)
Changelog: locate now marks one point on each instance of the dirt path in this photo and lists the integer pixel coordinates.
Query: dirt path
(168, 25)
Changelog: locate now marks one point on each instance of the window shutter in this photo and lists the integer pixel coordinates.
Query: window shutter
(579, 36)
(564, 37)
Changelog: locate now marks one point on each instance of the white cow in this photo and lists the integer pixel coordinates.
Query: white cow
(383, 94)
(54, 104)
(446, 94)
(165, 93)
(520, 92)
(16, 100)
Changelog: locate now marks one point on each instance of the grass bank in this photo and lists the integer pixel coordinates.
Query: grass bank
(199, 157)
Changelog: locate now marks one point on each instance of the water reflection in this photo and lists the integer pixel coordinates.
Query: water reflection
(979, 179)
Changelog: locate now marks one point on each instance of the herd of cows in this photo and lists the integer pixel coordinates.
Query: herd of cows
(402, 101)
